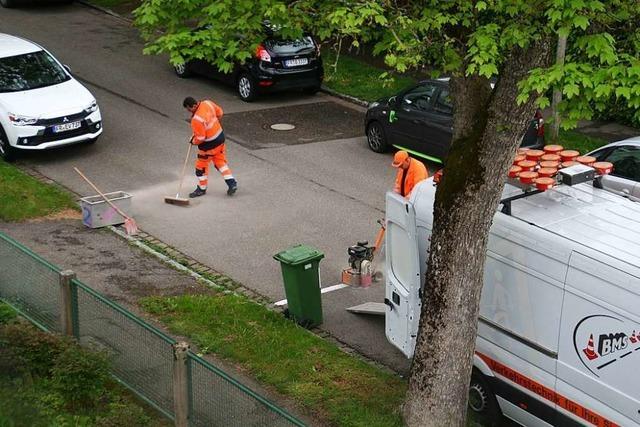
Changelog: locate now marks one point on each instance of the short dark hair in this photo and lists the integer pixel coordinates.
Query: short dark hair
(189, 101)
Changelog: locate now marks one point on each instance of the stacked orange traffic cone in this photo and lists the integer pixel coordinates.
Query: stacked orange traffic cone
(590, 351)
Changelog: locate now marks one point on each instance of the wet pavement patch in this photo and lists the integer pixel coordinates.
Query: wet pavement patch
(322, 121)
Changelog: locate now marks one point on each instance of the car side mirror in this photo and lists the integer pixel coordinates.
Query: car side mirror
(66, 67)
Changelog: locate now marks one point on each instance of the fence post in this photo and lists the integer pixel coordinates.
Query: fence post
(180, 384)
(68, 302)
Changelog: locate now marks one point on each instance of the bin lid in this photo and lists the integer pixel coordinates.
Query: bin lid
(298, 254)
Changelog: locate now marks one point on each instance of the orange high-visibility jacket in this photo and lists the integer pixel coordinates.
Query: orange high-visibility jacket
(205, 122)
(406, 179)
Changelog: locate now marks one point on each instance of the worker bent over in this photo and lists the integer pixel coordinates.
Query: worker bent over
(410, 172)
(209, 137)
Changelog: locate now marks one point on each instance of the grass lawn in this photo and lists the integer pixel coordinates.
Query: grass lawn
(571, 139)
(315, 373)
(25, 197)
(359, 79)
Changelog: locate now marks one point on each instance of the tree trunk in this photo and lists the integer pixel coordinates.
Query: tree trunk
(488, 127)
(557, 91)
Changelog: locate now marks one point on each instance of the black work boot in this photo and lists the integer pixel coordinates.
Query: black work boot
(233, 187)
(198, 192)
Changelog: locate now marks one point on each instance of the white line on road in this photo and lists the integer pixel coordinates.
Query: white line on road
(322, 291)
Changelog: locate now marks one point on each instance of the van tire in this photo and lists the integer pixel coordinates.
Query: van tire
(8, 3)
(482, 401)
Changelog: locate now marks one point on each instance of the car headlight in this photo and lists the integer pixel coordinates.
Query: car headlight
(92, 107)
(374, 104)
(18, 120)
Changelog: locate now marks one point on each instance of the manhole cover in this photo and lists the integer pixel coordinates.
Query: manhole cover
(282, 126)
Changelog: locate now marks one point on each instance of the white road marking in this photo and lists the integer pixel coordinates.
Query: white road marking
(322, 291)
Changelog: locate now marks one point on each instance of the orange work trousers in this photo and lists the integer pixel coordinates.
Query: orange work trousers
(218, 157)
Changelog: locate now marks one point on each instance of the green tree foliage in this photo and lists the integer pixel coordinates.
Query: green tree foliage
(456, 37)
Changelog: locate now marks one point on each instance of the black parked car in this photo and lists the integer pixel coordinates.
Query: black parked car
(420, 119)
(276, 65)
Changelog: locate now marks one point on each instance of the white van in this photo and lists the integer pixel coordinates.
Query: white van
(559, 329)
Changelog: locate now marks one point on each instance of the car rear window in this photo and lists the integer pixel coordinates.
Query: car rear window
(30, 71)
(289, 47)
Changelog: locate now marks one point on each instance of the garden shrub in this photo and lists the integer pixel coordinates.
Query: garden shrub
(34, 351)
(80, 376)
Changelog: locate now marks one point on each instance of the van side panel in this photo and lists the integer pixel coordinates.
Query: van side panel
(599, 349)
(523, 288)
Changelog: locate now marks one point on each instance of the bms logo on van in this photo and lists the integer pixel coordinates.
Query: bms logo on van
(601, 340)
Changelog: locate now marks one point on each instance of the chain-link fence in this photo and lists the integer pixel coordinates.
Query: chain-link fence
(143, 358)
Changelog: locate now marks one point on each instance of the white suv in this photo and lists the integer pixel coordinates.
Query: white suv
(41, 105)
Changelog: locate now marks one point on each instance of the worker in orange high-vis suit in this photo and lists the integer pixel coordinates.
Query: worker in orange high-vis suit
(410, 173)
(209, 137)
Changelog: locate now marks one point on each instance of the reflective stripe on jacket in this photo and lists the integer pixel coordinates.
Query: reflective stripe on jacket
(205, 122)
(406, 179)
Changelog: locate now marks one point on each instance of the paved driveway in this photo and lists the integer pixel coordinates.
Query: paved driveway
(320, 187)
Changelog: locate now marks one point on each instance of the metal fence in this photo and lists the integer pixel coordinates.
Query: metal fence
(186, 389)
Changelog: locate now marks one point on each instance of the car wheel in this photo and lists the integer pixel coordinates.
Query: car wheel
(246, 88)
(312, 90)
(7, 152)
(182, 70)
(376, 138)
(8, 3)
(482, 401)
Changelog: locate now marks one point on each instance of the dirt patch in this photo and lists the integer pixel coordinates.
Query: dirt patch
(102, 260)
(63, 214)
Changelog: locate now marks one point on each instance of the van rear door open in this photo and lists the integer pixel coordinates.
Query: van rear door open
(403, 279)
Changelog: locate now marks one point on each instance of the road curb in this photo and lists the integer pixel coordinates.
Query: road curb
(348, 98)
(104, 10)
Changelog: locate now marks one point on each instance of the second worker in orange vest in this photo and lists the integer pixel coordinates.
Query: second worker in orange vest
(410, 173)
(209, 137)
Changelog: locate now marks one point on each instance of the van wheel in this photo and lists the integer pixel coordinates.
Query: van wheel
(182, 70)
(482, 401)
(246, 88)
(376, 137)
(7, 152)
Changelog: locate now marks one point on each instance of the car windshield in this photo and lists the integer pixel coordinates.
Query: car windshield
(30, 71)
(289, 47)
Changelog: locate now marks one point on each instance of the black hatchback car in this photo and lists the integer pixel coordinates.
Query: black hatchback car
(276, 65)
(420, 120)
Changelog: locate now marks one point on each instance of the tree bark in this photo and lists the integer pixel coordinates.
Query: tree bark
(488, 127)
(557, 92)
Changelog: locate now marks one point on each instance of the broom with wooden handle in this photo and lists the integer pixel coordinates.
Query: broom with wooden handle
(129, 224)
(177, 200)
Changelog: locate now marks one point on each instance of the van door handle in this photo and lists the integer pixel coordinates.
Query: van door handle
(387, 302)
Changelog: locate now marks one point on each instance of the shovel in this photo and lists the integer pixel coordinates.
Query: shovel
(177, 200)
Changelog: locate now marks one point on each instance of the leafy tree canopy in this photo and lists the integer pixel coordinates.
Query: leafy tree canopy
(454, 37)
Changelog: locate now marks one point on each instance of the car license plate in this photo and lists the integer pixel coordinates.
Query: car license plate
(296, 62)
(66, 126)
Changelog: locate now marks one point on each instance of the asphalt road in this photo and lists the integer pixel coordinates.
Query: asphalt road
(324, 188)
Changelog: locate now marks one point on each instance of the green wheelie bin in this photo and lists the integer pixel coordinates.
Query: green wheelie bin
(301, 275)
